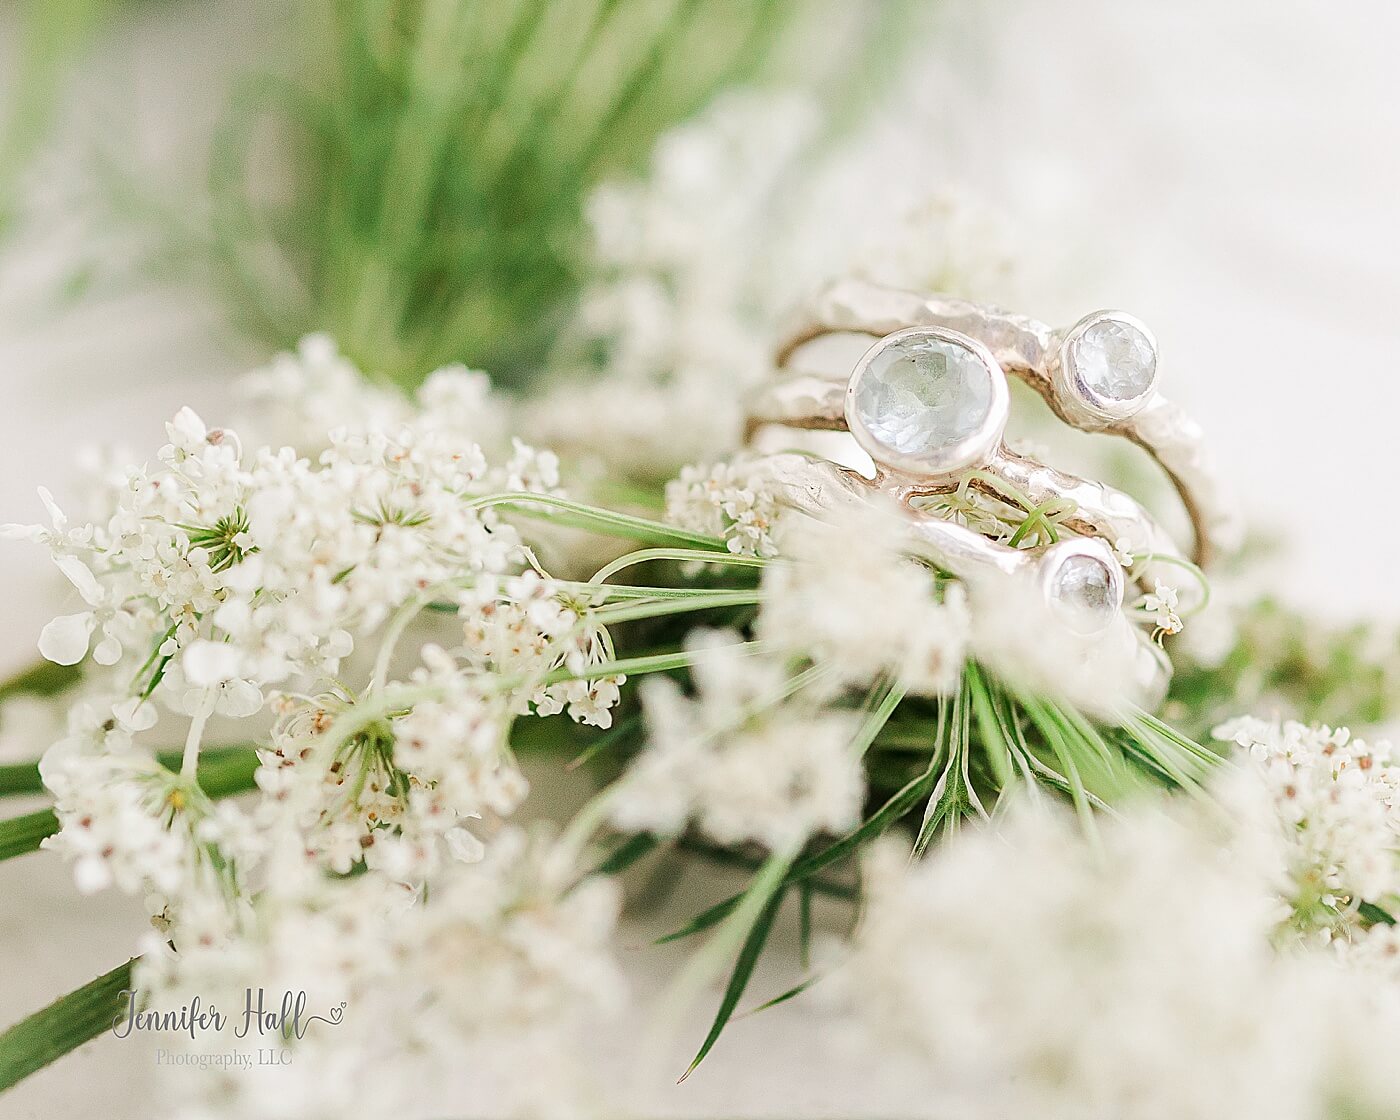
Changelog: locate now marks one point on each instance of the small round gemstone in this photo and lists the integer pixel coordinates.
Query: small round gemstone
(922, 394)
(1083, 589)
(1116, 360)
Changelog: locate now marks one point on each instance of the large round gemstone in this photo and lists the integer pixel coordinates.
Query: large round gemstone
(921, 394)
(1114, 359)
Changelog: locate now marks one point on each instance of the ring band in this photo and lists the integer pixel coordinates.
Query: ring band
(1079, 580)
(970, 449)
(1068, 369)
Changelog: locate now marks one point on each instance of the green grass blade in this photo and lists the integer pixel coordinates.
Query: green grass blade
(791, 993)
(21, 835)
(63, 1026)
(627, 853)
(995, 746)
(743, 970)
(43, 678)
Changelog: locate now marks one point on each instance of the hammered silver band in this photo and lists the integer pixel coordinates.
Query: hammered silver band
(817, 486)
(815, 403)
(1024, 348)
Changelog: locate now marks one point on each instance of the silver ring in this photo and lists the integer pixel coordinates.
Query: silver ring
(1073, 371)
(1079, 580)
(967, 396)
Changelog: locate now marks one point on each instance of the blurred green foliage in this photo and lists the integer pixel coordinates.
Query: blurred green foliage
(50, 35)
(442, 151)
(1288, 664)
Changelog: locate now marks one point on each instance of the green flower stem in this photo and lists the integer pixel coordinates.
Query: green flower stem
(63, 1026)
(221, 774)
(575, 515)
(598, 594)
(641, 556)
(628, 612)
(636, 666)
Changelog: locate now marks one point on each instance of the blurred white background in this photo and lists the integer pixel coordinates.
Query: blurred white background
(1226, 171)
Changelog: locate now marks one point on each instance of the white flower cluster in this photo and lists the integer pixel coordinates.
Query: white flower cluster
(298, 398)
(847, 596)
(522, 627)
(225, 572)
(509, 959)
(731, 500)
(372, 866)
(1026, 971)
(744, 758)
(1336, 801)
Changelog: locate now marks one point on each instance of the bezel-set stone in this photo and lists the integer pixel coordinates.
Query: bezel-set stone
(1108, 364)
(927, 401)
(1083, 583)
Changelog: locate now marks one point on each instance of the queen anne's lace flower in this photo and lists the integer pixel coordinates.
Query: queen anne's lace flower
(509, 960)
(845, 595)
(223, 573)
(1024, 971)
(1336, 802)
(739, 760)
(733, 500)
(524, 627)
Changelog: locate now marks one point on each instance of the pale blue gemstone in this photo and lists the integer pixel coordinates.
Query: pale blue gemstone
(922, 394)
(1115, 360)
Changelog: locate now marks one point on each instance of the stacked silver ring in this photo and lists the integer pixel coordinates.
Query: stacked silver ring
(929, 403)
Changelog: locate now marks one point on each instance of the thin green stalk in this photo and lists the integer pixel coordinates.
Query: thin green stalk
(886, 699)
(576, 515)
(1063, 750)
(20, 835)
(728, 857)
(948, 798)
(636, 666)
(627, 853)
(995, 745)
(43, 678)
(715, 600)
(619, 733)
(643, 555)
